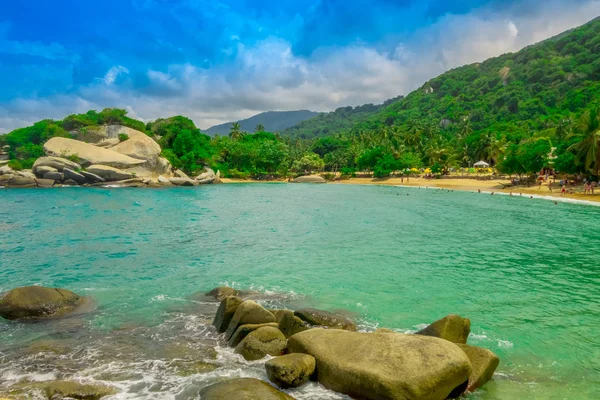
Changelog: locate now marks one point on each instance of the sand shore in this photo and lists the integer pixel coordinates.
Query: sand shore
(471, 185)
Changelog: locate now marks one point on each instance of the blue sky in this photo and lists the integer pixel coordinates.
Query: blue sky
(217, 61)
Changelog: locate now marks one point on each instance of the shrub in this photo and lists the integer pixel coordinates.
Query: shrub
(348, 172)
(15, 164)
(236, 174)
(328, 176)
(123, 137)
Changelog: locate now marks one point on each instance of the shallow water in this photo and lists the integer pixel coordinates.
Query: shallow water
(524, 271)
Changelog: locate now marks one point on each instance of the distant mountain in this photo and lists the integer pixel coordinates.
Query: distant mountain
(273, 121)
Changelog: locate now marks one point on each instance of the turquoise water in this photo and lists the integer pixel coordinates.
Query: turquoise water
(525, 271)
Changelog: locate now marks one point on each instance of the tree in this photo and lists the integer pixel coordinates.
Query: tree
(309, 162)
(587, 134)
(235, 132)
(259, 128)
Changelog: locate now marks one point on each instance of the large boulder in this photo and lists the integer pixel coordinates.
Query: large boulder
(264, 341)
(484, 363)
(74, 176)
(242, 389)
(33, 302)
(249, 312)
(109, 174)
(289, 324)
(40, 171)
(291, 370)
(91, 177)
(180, 174)
(225, 313)
(6, 170)
(88, 154)
(310, 179)
(137, 145)
(182, 182)
(20, 182)
(453, 327)
(219, 293)
(208, 176)
(243, 331)
(325, 318)
(57, 163)
(56, 176)
(385, 366)
(75, 390)
(108, 143)
(44, 183)
(26, 173)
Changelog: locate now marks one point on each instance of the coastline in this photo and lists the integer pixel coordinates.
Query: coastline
(468, 185)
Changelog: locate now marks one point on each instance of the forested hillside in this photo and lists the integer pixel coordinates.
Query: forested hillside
(272, 121)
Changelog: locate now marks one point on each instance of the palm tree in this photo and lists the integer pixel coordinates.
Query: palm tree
(564, 129)
(235, 132)
(465, 129)
(587, 149)
(259, 128)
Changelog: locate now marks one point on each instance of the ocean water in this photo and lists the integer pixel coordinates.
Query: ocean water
(525, 271)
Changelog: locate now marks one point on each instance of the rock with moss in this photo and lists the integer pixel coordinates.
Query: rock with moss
(219, 293)
(262, 342)
(74, 176)
(244, 330)
(385, 366)
(74, 390)
(242, 389)
(453, 328)
(249, 312)
(291, 370)
(384, 331)
(227, 309)
(35, 302)
(484, 364)
(289, 324)
(188, 368)
(325, 318)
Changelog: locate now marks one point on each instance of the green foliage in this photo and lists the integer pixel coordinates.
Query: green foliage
(309, 163)
(123, 137)
(108, 116)
(385, 166)
(16, 165)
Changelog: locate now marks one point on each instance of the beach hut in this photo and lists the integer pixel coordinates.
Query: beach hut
(481, 164)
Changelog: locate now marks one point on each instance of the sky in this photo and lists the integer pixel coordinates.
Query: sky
(224, 60)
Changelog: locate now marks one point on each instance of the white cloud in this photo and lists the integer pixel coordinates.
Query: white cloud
(268, 76)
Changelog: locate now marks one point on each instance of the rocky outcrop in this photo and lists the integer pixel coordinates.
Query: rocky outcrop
(453, 328)
(291, 370)
(42, 170)
(219, 293)
(180, 174)
(385, 366)
(289, 324)
(56, 176)
(183, 182)
(74, 176)
(484, 363)
(108, 143)
(88, 154)
(264, 341)
(34, 302)
(44, 183)
(310, 179)
(91, 177)
(54, 162)
(325, 318)
(227, 309)
(248, 312)
(20, 182)
(243, 331)
(208, 176)
(242, 389)
(75, 390)
(109, 174)
(138, 145)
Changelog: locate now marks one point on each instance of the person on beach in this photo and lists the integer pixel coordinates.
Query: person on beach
(550, 186)
(478, 190)
(563, 191)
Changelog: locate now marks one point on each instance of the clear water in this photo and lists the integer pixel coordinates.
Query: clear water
(524, 271)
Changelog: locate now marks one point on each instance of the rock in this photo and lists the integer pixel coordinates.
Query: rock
(289, 324)
(109, 174)
(225, 313)
(163, 180)
(138, 145)
(182, 182)
(56, 176)
(88, 154)
(219, 293)
(5, 178)
(41, 170)
(310, 179)
(32, 302)
(188, 368)
(384, 331)
(108, 143)
(262, 342)
(325, 318)
(91, 177)
(180, 174)
(74, 176)
(70, 182)
(242, 389)
(54, 162)
(76, 390)
(44, 182)
(484, 363)
(21, 182)
(243, 331)
(452, 327)
(6, 170)
(248, 312)
(208, 176)
(376, 366)
(291, 370)
(26, 173)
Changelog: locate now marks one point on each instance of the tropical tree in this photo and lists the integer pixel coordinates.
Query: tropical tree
(259, 128)
(587, 134)
(235, 132)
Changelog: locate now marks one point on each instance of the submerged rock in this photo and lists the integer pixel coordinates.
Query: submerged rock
(310, 179)
(484, 363)
(248, 312)
(453, 328)
(325, 318)
(219, 293)
(227, 309)
(242, 389)
(291, 370)
(264, 341)
(384, 366)
(244, 330)
(75, 390)
(34, 302)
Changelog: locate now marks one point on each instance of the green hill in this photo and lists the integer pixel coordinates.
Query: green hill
(272, 121)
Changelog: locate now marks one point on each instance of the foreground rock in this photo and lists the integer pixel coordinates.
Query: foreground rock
(245, 330)
(74, 176)
(88, 154)
(219, 293)
(248, 312)
(453, 328)
(385, 366)
(325, 318)
(75, 390)
(242, 389)
(310, 179)
(291, 370)
(208, 176)
(183, 182)
(225, 313)
(35, 302)
(289, 324)
(484, 364)
(109, 174)
(20, 182)
(56, 163)
(262, 342)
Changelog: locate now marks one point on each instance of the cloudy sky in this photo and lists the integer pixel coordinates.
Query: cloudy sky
(218, 61)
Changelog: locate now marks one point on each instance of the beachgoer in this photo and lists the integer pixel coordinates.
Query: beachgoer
(478, 190)
(550, 186)
(563, 191)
